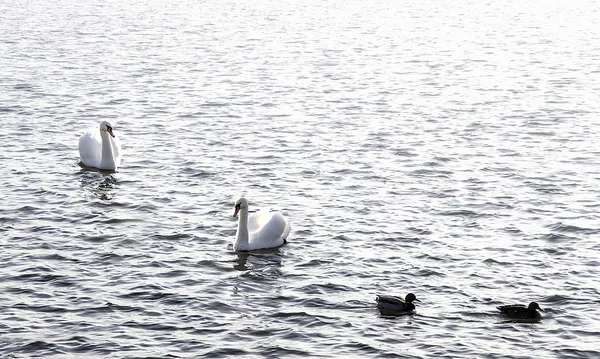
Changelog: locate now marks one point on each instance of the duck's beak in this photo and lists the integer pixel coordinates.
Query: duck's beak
(416, 300)
(541, 309)
(109, 130)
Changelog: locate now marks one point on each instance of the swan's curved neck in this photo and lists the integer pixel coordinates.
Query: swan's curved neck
(241, 240)
(108, 158)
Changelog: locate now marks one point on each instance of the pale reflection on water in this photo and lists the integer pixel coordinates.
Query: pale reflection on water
(98, 184)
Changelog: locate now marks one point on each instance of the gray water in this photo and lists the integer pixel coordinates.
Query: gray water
(449, 149)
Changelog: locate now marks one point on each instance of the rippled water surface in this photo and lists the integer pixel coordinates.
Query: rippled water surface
(449, 149)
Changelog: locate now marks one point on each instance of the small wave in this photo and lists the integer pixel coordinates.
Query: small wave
(225, 352)
(98, 239)
(512, 230)
(342, 238)
(290, 314)
(315, 263)
(431, 173)
(426, 256)
(303, 233)
(154, 326)
(8, 109)
(149, 296)
(278, 351)
(304, 319)
(39, 277)
(356, 347)
(41, 308)
(318, 288)
(566, 228)
(171, 237)
(38, 347)
(59, 257)
(568, 353)
(558, 237)
(209, 330)
(492, 261)
(428, 273)
(464, 213)
(114, 308)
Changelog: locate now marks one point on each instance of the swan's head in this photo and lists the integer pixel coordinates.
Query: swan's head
(106, 126)
(411, 298)
(241, 203)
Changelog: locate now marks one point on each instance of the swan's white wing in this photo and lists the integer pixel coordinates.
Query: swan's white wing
(277, 226)
(90, 148)
(258, 219)
(269, 229)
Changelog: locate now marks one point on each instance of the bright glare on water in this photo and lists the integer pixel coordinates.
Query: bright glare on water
(448, 149)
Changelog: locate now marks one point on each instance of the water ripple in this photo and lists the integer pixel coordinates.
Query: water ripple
(455, 159)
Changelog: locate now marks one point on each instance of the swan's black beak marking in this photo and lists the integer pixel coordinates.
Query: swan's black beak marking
(109, 130)
(237, 209)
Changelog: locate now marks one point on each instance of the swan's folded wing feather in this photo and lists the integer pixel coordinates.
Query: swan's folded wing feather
(276, 227)
(268, 224)
(90, 147)
(259, 219)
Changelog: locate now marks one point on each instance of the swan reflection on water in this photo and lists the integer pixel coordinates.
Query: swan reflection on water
(99, 184)
(265, 262)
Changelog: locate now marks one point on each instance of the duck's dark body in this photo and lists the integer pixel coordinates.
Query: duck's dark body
(393, 304)
(520, 311)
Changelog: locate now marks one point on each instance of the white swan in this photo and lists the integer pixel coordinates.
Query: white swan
(98, 149)
(263, 229)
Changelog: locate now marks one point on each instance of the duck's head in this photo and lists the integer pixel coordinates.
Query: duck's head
(240, 204)
(411, 298)
(106, 126)
(534, 306)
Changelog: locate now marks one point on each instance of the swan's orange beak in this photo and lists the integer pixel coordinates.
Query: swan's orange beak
(109, 130)
(237, 209)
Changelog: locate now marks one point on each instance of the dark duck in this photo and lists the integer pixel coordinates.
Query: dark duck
(520, 311)
(396, 305)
